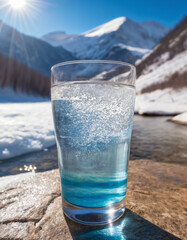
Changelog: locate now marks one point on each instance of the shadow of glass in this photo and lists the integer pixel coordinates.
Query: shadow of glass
(129, 227)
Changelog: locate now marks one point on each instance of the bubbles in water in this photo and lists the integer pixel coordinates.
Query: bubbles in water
(93, 123)
(96, 112)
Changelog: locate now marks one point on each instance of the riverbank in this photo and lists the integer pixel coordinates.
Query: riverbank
(30, 203)
(160, 140)
(180, 119)
(28, 127)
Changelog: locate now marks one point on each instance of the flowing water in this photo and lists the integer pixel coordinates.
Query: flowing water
(153, 138)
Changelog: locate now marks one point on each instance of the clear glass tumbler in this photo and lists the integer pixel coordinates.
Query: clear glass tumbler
(93, 109)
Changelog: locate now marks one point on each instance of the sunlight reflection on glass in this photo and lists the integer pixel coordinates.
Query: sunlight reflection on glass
(29, 168)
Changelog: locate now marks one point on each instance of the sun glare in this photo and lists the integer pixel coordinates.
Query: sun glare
(17, 4)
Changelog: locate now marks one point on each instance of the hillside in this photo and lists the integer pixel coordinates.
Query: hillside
(162, 75)
(33, 52)
(21, 79)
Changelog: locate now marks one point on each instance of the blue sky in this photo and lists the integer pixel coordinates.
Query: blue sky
(77, 16)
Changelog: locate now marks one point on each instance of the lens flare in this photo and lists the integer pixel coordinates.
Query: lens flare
(21, 15)
(17, 4)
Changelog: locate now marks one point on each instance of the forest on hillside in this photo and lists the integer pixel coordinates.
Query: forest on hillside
(22, 78)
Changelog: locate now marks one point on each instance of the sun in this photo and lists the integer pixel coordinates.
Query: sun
(17, 4)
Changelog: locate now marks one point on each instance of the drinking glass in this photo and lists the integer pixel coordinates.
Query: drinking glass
(93, 109)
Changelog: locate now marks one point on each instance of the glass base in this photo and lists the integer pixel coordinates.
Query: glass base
(94, 216)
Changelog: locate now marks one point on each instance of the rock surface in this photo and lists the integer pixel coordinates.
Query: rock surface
(31, 206)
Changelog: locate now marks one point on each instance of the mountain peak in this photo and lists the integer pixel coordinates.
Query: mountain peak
(56, 33)
(105, 28)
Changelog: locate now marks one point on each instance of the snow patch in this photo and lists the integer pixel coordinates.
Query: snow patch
(6, 152)
(164, 57)
(134, 50)
(181, 118)
(25, 127)
(163, 102)
(174, 42)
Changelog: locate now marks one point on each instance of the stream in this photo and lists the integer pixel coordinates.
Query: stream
(153, 138)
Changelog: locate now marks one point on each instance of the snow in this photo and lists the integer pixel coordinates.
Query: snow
(25, 127)
(8, 95)
(96, 43)
(164, 57)
(164, 102)
(108, 27)
(181, 118)
(144, 57)
(134, 50)
(160, 72)
(176, 40)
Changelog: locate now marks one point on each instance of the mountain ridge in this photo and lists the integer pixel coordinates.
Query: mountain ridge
(106, 41)
(35, 53)
(168, 43)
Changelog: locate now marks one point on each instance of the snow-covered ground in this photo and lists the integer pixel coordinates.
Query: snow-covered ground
(28, 127)
(181, 118)
(166, 101)
(163, 102)
(162, 70)
(25, 127)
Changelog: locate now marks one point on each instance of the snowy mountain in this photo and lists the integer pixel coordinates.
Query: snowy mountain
(120, 39)
(162, 75)
(31, 51)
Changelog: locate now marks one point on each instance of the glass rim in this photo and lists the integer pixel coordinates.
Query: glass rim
(132, 67)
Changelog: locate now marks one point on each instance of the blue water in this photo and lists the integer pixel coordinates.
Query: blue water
(93, 134)
(93, 191)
